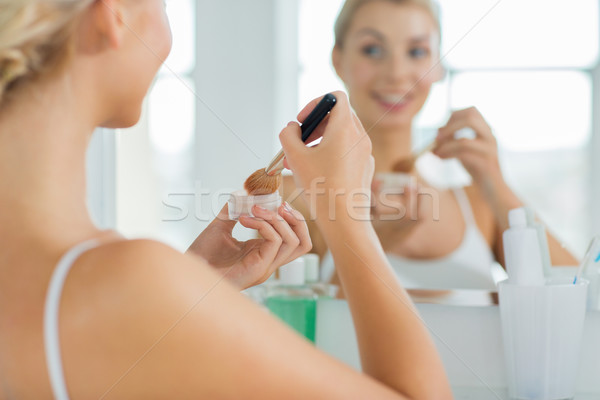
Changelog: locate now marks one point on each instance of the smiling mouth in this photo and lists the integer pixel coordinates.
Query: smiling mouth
(393, 101)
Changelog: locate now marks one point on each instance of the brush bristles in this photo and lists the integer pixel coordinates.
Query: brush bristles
(259, 183)
(405, 165)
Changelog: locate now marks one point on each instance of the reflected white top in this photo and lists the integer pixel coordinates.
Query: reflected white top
(470, 266)
(51, 333)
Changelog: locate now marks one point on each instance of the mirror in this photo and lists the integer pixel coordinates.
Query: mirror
(238, 72)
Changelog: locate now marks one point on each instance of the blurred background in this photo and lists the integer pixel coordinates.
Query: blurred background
(240, 70)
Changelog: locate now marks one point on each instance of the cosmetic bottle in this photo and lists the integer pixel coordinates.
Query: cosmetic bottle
(312, 273)
(294, 302)
(542, 239)
(522, 254)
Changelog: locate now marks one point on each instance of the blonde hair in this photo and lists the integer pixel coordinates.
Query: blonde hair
(344, 19)
(36, 38)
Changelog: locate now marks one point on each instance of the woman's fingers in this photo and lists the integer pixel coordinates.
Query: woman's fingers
(291, 141)
(223, 218)
(458, 147)
(467, 118)
(296, 221)
(308, 108)
(478, 157)
(289, 239)
(271, 239)
(286, 236)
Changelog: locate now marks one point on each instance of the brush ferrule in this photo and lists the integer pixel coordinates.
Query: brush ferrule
(276, 165)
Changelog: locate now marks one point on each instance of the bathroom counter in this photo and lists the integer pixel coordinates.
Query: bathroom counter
(478, 393)
(469, 341)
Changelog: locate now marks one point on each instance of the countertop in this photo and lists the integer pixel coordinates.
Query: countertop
(470, 344)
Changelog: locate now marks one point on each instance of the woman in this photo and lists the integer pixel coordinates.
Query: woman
(387, 54)
(88, 314)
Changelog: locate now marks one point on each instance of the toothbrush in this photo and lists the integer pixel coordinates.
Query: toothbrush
(592, 253)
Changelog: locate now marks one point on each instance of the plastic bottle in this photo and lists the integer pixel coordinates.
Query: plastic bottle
(522, 254)
(542, 239)
(311, 273)
(292, 300)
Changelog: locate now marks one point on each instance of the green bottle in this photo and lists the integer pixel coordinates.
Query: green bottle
(293, 301)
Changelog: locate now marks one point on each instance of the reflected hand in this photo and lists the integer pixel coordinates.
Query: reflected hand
(284, 237)
(479, 155)
(395, 210)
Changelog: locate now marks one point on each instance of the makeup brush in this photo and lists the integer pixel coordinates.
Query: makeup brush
(407, 164)
(267, 180)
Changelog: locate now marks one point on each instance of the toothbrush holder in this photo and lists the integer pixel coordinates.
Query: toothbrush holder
(542, 329)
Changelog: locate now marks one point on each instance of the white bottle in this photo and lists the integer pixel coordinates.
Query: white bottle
(522, 254)
(311, 269)
(292, 274)
(543, 240)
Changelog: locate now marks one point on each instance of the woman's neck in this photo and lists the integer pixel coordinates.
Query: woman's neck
(390, 146)
(43, 141)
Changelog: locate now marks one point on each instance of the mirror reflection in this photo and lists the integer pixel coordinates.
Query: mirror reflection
(416, 74)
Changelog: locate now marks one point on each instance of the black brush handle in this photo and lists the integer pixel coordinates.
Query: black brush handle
(317, 115)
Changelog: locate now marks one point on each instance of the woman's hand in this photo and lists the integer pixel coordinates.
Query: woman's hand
(284, 238)
(395, 211)
(336, 174)
(479, 156)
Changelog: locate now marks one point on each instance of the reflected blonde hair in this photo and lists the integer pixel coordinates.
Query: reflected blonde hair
(36, 38)
(350, 7)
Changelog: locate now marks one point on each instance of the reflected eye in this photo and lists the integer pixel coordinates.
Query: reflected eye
(372, 51)
(419, 52)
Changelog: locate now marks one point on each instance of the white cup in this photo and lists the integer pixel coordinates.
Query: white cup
(240, 203)
(542, 328)
(395, 180)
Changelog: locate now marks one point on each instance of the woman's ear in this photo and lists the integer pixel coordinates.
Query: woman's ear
(336, 60)
(102, 26)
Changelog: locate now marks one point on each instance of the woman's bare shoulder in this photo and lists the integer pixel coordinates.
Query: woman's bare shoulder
(117, 263)
(119, 302)
(134, 269)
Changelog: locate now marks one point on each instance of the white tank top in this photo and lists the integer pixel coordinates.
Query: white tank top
(470, 266)
(51, 334)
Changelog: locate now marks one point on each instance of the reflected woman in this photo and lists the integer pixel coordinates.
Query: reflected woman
(387, 53)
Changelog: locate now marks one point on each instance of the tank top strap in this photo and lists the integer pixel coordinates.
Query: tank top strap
(51, 334)
(465, 206)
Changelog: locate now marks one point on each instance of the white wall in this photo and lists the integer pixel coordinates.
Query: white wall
(246, 73)
(101, 174)
(246, 91)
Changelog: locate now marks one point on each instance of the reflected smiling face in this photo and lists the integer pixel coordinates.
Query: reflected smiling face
(388, 62)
